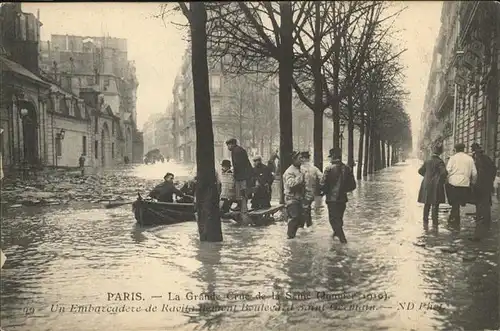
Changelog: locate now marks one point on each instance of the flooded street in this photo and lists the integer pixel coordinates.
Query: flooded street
(392, 275)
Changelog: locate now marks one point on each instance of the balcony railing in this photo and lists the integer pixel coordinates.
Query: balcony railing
(445, 99)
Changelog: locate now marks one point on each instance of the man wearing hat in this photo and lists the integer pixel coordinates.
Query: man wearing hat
(312, 176)
(462, 174)
(164, 192)
(263, 180)
(336, 182)
(482, 190)
(243, 174)
(293, 182)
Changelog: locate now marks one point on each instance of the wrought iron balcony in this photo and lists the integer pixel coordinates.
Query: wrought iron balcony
(445, 99)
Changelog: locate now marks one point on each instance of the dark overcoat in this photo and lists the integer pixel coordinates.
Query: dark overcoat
(432, 187)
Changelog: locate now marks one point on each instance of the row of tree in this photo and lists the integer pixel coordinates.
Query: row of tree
(334, 55)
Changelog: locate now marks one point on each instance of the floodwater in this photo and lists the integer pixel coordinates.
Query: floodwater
(69, 269)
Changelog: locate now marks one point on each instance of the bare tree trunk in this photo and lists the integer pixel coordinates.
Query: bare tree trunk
(207, 195)
(350, 132)
(318, 139)
(383, 155)
(377, 154)
(241, 128)
(366, 164)
(285, 88)
(261, 145)
(373, 142)
(360, 147)
(318, 93)
(388, 155)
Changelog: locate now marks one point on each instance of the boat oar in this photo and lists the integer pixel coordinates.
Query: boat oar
(118, 204)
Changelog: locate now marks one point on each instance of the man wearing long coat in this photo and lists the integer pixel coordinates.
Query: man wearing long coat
(431, 192)
(482, 190)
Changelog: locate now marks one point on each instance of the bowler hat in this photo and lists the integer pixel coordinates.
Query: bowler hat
(460, 147)
(475, 147)
(226, 163)
(335, 152)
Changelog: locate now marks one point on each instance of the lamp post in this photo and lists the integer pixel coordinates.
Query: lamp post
(24, 112)
(342, 127)
(60, 137)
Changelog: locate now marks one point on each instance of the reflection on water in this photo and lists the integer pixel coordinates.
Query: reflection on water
(59, 256)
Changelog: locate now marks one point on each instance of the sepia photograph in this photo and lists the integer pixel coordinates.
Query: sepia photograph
(265, 165)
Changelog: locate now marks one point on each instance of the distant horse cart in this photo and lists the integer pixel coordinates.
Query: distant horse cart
(154, 156)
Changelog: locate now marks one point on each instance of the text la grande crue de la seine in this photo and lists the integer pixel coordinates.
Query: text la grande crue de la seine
(241, 296)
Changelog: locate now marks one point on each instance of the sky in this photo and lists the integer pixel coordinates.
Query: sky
(157, 46)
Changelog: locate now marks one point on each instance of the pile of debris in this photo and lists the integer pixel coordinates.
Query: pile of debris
(65, 187)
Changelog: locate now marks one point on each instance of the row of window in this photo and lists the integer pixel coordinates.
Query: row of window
(58, 143)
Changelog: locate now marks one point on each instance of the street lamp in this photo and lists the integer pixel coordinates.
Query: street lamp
(60, 135)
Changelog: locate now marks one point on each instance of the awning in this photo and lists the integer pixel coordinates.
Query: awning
(8, 65)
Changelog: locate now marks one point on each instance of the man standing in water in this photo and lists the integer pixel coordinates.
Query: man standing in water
(336, 182)
(243, 174)
(462, 173)
(294, 185)
(312, 177)
(482, 190)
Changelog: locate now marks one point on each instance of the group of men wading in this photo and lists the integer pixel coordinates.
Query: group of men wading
(464, 179)
(303, 181)
(238, 181)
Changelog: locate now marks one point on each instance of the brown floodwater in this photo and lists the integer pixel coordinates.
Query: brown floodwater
(83, 268)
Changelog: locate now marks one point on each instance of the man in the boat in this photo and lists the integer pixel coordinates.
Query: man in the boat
(165, 191)
(243, 174)
(263, 180)
(188, 189)
(227, 189)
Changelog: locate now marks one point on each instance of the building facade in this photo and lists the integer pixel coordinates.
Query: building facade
(45, 120)
(462, 100)
(158, 133)
(99, 63)
(240, 109)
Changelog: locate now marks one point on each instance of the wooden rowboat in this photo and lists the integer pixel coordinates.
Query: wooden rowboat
(149, 213)
(162, 213)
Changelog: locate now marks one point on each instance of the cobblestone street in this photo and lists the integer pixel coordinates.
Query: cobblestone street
(392, 275)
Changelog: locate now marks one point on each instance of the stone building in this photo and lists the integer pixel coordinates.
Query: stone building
(240, 109)
(23, 94)
(99, 63)
(45, 120)
(462, 101)
(158, 133)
